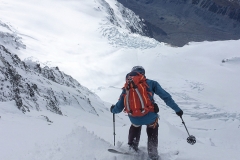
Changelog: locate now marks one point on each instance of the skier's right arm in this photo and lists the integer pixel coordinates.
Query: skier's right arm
(119, 106)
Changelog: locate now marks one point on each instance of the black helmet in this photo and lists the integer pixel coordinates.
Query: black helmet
(139, 69)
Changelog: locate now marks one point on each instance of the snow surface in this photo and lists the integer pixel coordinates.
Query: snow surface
(77, 37)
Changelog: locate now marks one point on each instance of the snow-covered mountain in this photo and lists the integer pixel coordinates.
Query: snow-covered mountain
(63, 64)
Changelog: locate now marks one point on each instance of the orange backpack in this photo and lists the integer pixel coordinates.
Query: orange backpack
(136, 101)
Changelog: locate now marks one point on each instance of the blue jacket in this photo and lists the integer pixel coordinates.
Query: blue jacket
(154, 87)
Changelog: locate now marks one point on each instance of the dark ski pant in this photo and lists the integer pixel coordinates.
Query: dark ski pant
(152, 132)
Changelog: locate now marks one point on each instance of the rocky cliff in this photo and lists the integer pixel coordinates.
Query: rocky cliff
(33, 87)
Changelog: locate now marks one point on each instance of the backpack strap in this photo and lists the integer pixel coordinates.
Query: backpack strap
(127, 101)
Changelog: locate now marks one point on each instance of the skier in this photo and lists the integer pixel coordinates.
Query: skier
(150, 119)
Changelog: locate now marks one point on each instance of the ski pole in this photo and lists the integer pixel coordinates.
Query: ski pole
(114, 128)
(185, 126)
(191, 139)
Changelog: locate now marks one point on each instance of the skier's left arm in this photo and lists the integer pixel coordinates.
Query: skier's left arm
(166, 97)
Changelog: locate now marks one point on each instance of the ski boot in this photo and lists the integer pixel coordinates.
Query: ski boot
(133, 146)
(154, 158)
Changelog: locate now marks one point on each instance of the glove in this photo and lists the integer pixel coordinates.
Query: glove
(156, 109)
(112, 108)
(179, 113)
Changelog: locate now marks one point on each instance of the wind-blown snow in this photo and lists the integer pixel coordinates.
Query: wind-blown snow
(79, 38)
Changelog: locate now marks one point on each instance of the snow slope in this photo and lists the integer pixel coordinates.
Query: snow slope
(80, 38)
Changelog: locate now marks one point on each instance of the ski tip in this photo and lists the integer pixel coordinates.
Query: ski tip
(118, 152)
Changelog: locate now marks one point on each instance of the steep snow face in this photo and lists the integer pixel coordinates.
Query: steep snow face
(31, 85)
(72, 28)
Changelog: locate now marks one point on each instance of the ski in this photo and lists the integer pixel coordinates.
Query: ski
(118, 152)
(143, 156)
(140, 155)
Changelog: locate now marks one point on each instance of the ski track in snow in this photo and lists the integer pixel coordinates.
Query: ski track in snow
(80, 144)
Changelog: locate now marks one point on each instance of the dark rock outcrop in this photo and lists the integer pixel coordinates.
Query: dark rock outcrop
(178, 22)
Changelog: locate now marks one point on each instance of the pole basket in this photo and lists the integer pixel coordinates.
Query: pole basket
(191, 140)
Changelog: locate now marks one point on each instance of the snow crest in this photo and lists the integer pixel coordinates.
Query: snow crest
(9, 37)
